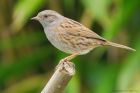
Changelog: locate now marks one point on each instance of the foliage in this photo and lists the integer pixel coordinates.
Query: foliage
(27, 59)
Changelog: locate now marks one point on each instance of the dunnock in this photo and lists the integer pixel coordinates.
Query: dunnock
(70, 36)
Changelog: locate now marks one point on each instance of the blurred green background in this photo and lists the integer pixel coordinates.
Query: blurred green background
(27, 59)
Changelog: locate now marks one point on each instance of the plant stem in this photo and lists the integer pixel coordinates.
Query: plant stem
(62, 75)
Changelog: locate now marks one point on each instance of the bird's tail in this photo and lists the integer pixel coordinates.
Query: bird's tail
(119, 46)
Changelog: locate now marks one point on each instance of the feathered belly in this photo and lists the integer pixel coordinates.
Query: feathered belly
(67, 44)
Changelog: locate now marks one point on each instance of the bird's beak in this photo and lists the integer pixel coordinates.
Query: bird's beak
(35, 18)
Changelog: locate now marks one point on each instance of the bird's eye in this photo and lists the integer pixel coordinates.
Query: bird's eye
(45, 16)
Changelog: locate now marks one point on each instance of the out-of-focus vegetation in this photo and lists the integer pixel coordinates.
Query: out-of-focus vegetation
(27, 59)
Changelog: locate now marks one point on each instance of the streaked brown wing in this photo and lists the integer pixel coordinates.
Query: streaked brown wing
(76, 29)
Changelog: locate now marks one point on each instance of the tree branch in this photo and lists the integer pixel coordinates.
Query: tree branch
(64, 72)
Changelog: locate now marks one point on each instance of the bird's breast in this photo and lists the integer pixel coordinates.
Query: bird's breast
(61, 42)
(55, 40)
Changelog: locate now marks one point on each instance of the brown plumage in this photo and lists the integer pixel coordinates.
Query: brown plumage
(70, 36)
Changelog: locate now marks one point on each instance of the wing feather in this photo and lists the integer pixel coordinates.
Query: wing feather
(74, 28)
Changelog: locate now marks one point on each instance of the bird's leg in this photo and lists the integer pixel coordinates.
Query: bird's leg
(66, 59)
(70, 57)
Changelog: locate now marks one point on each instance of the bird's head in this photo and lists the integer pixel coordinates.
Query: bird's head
(48, 17)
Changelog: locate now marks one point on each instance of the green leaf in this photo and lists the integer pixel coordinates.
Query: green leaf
(23, 10)
(129, 68)
(74, 85)
(23, 64)
(98, 8)
(125, 11)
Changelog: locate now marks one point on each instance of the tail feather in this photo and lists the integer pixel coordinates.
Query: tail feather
(120, 46)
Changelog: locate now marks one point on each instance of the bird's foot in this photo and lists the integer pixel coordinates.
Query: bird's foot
(66, 59)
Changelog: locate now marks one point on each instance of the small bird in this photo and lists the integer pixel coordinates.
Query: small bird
(70, 36)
